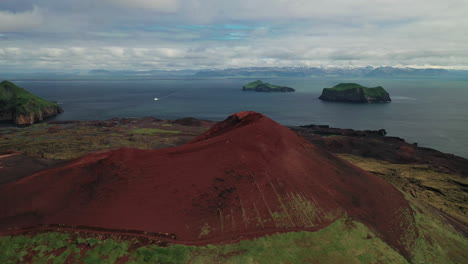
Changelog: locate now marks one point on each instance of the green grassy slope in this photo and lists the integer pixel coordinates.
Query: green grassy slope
(345, 241)
(432, 194)
(69, 141)
(19, 101)
(253, 85)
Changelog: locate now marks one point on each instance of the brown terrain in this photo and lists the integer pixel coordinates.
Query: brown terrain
(16, 165)
(245, 177)
(438, 180)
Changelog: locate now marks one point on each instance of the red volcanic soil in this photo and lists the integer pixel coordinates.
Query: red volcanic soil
(246, 175)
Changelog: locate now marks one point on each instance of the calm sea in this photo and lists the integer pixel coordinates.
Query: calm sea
(433, 113)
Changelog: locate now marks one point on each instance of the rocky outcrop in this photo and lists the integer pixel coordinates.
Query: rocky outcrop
(355, 93)
(33, 117)
(376, 145)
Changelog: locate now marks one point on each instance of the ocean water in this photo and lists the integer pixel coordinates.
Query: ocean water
(433, 113)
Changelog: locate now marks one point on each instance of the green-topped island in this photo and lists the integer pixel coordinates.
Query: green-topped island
(259, 86)
(355, 93)
(23, 107)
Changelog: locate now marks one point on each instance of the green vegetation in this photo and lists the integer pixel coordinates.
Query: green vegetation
(345, 241)
(68, 141)
(60, 247)
(437, 242)
(262, 86)
(440, 190)
(253, 85)
(304, 209)
(378, 91)
(430, 193)
(18, 101)
(152, 131)
(104, 251)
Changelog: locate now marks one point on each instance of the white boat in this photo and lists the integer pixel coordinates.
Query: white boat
(156, 99)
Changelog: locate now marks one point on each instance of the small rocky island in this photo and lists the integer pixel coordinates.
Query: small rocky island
(259, 86)
(22, 107)
(355, 93)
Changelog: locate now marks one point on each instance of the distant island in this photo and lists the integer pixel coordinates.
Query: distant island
(259, 86)
(22, 107)
(355, 93)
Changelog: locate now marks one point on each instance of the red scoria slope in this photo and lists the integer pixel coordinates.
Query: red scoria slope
(246, 176)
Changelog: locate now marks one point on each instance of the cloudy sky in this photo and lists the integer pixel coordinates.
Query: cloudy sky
(201, 34)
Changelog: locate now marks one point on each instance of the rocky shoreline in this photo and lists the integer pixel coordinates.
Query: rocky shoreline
(375, 144)
(32, 117)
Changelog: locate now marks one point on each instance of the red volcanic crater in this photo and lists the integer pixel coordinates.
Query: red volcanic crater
(246, 176)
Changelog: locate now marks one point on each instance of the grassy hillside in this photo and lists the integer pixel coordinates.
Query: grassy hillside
(73, 140)
(253, 85)
(345, 241)
(444, 191)
(18, 101)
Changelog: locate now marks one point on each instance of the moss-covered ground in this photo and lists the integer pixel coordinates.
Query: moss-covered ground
(446, 192)
(433, 196)
(72, 140)
(345, 241)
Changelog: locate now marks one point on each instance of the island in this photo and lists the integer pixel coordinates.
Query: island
(355, 93)
(22, 107)
(259, 86)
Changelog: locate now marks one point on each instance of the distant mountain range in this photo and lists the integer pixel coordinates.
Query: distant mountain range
(330, 72)
(248, 72)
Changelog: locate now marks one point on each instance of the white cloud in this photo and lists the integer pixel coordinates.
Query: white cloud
(133, 34)
(154, 5)
(268, 53)
(11, 22)
(336, 10)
